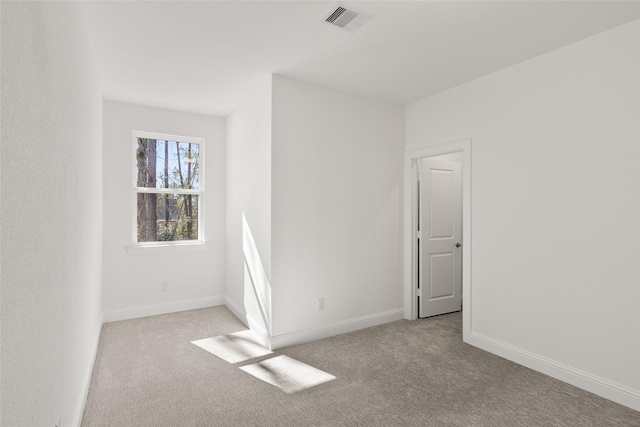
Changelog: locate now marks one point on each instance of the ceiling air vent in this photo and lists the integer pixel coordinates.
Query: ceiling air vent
(346, 19)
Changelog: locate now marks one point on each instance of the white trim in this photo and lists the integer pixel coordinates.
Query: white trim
(260, 332)
(337, 328)
(77, 418)
(410, 305)
(163, 308)
(249, 322)
(167, 191)
(200, 192)
(166, 136)
(602, 387)
(236, 310)
(165, 247)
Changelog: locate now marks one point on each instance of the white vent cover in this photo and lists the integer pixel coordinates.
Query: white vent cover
(346, 19)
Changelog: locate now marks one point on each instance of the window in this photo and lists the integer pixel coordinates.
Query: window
(168, 189)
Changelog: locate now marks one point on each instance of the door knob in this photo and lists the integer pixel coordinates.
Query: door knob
(458, 244)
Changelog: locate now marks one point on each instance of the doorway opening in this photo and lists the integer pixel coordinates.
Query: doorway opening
(437, 231)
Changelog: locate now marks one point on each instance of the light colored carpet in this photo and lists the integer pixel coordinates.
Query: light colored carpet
(288, 374)
(234, 348)
(404, 373)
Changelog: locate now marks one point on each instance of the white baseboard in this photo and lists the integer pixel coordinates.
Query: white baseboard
(337, 328)
(274, 342)
(155, 309)
(237, 311)
(608, 389)
(77, 419)
(260, 332)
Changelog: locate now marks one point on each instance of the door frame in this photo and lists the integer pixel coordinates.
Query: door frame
(410, 222)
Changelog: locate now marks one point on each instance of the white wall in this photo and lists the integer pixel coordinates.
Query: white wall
(336, 208)
(133, 283)
(555, 207)
(51, 214)
(249, 193)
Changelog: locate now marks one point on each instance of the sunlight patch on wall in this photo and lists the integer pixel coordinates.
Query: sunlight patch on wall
(257, 290)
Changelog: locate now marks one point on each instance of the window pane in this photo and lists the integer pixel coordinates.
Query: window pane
(167, 217)
(167, 164)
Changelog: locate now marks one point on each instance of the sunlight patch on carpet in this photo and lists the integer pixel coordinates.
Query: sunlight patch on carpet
(287, 374)
(234, 348)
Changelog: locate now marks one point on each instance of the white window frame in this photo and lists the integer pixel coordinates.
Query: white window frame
(167, 246)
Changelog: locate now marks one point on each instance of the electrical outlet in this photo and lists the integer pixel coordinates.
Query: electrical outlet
(320, 304)
(165, 286)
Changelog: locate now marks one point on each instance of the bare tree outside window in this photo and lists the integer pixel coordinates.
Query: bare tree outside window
(168, 190)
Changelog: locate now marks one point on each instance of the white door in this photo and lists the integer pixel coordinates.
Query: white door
(439, 237)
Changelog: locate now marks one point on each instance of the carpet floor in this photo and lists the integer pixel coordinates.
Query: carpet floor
(404, 373)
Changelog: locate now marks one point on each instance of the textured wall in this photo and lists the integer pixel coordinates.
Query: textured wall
(248, 193)
(51, 213)
(133, 283)
(555, 202)
(337, 174)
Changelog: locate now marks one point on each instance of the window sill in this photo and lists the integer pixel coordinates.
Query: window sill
(165, 248)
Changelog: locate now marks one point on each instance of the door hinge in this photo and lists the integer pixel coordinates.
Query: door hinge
(419, 234)
(419, 292)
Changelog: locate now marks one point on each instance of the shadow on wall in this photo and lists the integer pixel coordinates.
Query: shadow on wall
(257, 290)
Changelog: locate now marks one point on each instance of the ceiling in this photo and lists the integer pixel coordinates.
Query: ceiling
(207, 56)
